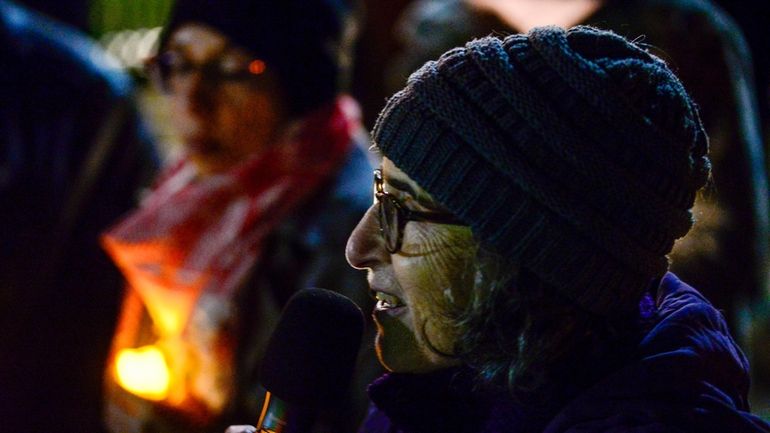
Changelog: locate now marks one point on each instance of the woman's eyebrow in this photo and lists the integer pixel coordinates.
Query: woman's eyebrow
(403, 186)
(420, 196)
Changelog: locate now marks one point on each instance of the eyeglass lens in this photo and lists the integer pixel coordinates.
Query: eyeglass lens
(173, 66)
(389, 222)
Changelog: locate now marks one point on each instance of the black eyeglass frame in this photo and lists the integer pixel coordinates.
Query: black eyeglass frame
(403, 215)
(159, 70)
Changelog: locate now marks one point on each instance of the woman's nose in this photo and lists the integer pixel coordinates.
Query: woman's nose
(195, 92)
(366, 246)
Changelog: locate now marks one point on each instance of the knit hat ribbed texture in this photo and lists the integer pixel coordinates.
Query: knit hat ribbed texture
(304, 40)
(576, 153)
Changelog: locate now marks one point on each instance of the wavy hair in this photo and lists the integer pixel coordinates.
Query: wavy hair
(521, 336)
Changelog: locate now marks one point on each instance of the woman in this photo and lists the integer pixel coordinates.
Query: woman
(530, 191)
(729, 245)
(258, 207)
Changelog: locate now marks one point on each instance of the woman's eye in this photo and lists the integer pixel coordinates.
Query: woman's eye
(176, 63)
(398, 194)
(231, 66)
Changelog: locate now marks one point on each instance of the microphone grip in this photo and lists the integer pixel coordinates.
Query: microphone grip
(280, 417)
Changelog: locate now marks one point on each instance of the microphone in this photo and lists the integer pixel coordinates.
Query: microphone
(309, 359)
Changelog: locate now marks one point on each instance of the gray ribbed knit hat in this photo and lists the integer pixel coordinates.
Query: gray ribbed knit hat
(575, 153)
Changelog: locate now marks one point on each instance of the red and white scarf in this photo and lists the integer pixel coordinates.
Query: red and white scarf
(195, 235)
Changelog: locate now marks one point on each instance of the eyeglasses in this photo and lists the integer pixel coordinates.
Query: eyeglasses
(171, 67)
(393, 216)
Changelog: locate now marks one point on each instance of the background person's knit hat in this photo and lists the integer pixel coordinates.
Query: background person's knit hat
(575, 153)
(307, 42)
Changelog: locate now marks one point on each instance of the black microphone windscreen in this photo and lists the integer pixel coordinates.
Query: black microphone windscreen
(312, 352)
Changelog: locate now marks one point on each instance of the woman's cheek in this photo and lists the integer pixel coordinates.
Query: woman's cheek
(436, 275)
(449, 262)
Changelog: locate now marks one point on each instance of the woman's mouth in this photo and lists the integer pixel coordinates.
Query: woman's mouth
(387, 302)
(201, 145)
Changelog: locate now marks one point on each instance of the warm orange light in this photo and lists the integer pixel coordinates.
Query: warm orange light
(144, 372)
(257, 67)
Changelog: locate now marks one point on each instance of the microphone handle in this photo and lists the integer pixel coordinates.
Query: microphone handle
(280, 417)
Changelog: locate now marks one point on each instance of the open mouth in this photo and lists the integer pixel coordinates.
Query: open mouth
(387, 302)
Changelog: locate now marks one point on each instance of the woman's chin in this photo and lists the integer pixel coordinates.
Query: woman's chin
(209, 164)
(399, 350)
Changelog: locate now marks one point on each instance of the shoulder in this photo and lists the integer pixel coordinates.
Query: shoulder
(327, 221)
(687, 318)
(688, 375)
(344, 201)
(352, 184)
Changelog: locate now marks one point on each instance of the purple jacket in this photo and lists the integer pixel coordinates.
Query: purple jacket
(690, 376)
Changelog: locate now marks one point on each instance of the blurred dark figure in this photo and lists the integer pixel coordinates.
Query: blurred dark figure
(257, 206)
(72, 12)
(752, 16)
(726, 253)
(754, 19)
(70, 163)
(377, 36)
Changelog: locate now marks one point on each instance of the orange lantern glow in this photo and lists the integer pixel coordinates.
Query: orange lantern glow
(143, 372)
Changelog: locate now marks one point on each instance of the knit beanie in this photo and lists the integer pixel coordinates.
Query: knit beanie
(307, 42)
(577, 154)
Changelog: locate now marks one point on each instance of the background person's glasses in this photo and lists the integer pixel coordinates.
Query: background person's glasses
(393, 216)
(170, 68)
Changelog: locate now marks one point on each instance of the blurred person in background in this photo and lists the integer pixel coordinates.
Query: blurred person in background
(72, 158)
(751, 16)
(258, 206)
(530, 192)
